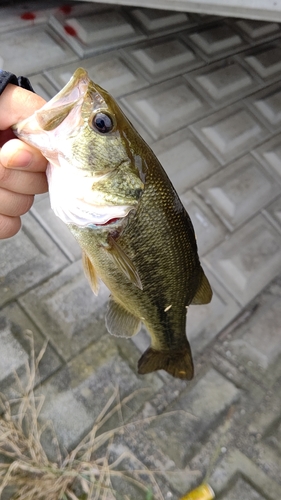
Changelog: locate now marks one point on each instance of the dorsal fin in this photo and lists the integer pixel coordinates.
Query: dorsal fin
(203, 293)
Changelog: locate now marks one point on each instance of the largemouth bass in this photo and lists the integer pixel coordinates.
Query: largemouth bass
(107, 185)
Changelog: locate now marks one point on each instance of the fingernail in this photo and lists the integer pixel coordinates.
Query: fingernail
(20, 159)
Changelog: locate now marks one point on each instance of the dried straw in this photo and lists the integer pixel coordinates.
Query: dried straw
(82, 474)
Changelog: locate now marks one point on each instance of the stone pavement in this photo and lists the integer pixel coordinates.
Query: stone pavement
(205, 93)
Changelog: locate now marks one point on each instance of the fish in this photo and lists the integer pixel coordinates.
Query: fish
(107, 185)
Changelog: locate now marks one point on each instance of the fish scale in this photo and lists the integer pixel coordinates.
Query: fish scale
(127, 217)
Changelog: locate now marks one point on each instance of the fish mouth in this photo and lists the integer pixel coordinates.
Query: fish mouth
(111, 221)
(35, 130)
(89, 216)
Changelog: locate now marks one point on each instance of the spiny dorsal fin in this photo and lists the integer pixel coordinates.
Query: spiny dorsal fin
(90, 273)
(121, 322)
(177, 363)
(123, 262)
(204, 292)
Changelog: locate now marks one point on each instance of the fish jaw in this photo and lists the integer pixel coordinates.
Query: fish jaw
(47, 125)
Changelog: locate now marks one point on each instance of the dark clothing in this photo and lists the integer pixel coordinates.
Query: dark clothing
(21, 81)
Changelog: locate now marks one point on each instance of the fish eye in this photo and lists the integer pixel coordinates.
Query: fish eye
(102, 122)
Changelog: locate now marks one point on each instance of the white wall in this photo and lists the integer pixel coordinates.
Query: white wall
(265, 10)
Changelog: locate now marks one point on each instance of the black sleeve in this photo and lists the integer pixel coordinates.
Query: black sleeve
(21, 81)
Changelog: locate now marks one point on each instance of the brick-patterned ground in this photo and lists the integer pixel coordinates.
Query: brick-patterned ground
(205, 94)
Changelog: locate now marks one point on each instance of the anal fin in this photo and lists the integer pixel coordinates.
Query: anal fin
(203, 293)
(90, 273)
(121, 322)
(177, 363)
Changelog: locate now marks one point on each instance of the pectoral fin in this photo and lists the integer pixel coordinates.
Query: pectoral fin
(120, 322)
(123, 262)
(204, 292)
(90, 273)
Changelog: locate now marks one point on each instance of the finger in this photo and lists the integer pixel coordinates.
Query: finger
(9, 226)
(14, 204)
(22, 182)
(27, 102)
(17, 154)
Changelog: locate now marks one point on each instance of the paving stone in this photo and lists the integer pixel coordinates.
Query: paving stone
(193, 416)
(57, 230)
(27, 259)
(257, 31)
(134, 441)
(147, 136)
(209, 230)
(266, 105)
(230, 132)
(242, 488)
(215, 42)
(225, 424)
(248, 345)
(205, 322)
(67, 311)
(204, 19)
(16, 345)
(97, 31)
(238, 191)
(237, 475)
(264, 431)
(12, 355)
(265, 60)
(247, 261)
(273, 212)
(162, 59)
(269, 154)
(70, 395)
(123, 487)
(156, 21)
(185, 159)
(165, 108)
(223, 82)
(111, 71)
(26, 14)
(32, 50)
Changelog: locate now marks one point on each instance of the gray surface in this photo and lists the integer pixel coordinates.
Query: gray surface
(205, 94)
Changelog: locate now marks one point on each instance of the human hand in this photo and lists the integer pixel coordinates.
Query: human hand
(22, 167)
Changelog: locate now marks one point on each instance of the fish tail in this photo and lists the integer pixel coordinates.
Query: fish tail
(177, 363)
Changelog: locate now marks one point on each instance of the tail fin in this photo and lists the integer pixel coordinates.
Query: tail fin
(177, 363)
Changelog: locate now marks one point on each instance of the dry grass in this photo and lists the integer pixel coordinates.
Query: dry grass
(29, 474)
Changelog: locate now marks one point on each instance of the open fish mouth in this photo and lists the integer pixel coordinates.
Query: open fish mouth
(94, 216)
(42, 128)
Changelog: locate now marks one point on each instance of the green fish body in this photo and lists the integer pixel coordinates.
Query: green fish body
(109, 187)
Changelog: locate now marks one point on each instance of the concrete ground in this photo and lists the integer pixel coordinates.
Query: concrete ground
(205, 93)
